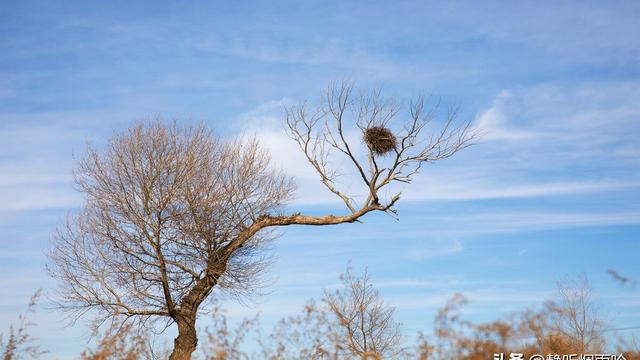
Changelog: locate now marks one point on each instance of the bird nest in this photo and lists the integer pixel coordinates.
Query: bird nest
(380, 140)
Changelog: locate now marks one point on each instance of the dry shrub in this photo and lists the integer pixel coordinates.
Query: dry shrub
(119, 343)
(309, 335)
(224, 341)
(380, 140)
(20, 344)
(629, 346)
(568, 326)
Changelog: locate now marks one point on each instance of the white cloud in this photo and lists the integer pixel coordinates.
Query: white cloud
(473, 179)
(265, 122)
(493, 122)
(36, 171)
(308, 51)
(38, 197)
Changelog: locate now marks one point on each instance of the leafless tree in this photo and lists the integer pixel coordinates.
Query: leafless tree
(170, 213)
(352, 322)
(576, 317)
(308, 335)
(366, 328)
(159, 229)
(381, 144)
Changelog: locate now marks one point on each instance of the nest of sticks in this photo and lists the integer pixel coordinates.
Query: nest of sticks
(380, 140)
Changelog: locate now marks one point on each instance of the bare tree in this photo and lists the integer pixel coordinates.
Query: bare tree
(395, 143)
(309, 335)
(366, 327)
(164, 207)
(352, 322)
(576, 317)
(170, 213)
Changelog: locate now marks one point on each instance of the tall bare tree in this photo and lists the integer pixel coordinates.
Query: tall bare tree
(170, 213)
(576, 317)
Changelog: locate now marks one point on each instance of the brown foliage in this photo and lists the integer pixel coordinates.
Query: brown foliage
(119, 343)
(353, 323)
(20, 344)
(308, 335)
(223, 342)
(630, 346)
(569, 326)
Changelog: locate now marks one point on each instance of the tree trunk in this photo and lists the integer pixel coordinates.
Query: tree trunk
(186, 341)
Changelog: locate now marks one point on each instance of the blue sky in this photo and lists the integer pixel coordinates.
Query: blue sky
(551, 191)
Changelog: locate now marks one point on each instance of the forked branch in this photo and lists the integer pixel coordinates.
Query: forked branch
(338, 127)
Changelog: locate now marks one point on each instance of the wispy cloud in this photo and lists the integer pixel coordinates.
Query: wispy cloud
(331, 52)
(38, 197)
(473, 178)
(35, 173)
(522, 221)
(554, 87)
(435, 249)
(459, 188)
(492, 123)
